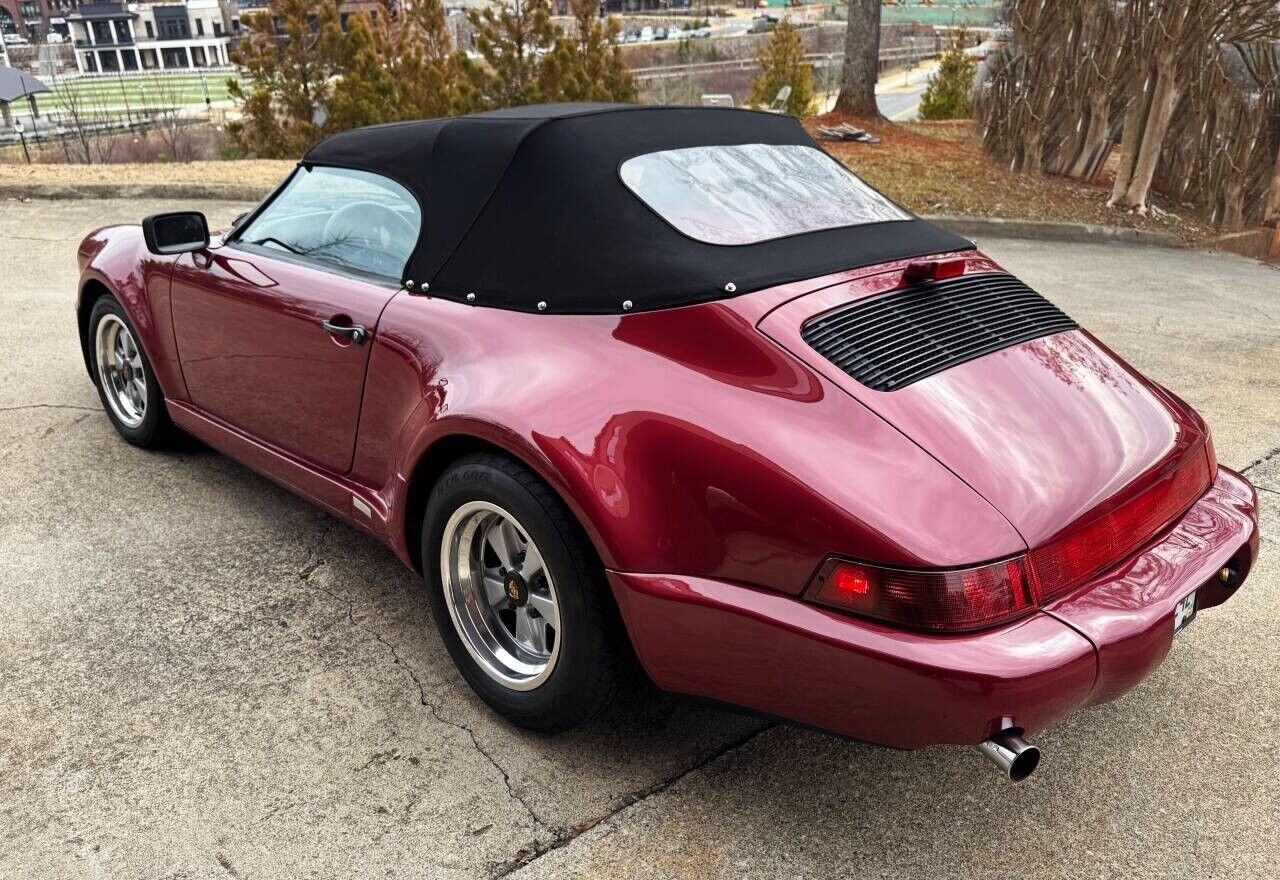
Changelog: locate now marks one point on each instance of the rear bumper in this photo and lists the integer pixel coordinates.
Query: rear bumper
(778, 655)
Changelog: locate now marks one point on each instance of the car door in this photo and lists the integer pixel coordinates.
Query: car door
(274, 327)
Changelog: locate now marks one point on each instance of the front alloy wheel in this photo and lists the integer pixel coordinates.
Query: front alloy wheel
(120, 370)
(126, 383)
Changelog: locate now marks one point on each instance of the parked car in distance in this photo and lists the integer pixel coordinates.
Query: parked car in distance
(675, 33)
(985, 48)
(660, 34)
(646, 34)
(15, 40)
(700, 33)
(821, 459)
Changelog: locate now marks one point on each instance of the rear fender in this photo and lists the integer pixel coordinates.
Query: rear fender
(683, 440)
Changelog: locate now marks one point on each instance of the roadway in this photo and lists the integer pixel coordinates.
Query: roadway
(899, 91)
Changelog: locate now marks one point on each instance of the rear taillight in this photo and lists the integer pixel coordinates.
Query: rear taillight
(970, 598)
(932, 600)
(1070, 561)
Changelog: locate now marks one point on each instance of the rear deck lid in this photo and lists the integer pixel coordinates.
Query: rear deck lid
(1043, 421)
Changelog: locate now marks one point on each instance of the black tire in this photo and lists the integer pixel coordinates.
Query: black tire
(155, 428)
(593, 648)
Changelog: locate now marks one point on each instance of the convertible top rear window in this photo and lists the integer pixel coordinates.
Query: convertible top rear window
(753, 192)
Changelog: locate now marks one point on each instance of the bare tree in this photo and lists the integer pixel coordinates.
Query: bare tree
(1050, 102)
(1272, 218)
(1171, 41)
(1219, 147)
(167, 118)
(861, 60)
(73, 105)
(1080, 72)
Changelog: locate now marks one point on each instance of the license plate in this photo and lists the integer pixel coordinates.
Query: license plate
(1184, 612)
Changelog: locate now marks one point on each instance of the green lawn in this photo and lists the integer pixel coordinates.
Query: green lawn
(138, 91)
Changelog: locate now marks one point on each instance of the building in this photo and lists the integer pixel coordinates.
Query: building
(34, 19)
(372, 8)
(114, 36)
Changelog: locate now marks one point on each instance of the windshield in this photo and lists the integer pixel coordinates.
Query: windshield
(753, 192)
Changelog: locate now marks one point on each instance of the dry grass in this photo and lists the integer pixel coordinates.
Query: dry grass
(939, 168)
(258, 172)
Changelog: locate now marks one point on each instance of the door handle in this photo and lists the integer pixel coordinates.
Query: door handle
(354, 332)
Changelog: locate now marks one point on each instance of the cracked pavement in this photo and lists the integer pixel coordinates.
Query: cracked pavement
(202, 676)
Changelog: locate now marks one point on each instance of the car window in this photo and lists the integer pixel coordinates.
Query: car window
(342, 218)
(753, 192)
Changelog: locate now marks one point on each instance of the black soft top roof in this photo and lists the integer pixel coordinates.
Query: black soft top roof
(525, 206)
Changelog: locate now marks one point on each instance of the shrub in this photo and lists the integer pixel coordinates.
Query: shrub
(949, 94)
(782, 64)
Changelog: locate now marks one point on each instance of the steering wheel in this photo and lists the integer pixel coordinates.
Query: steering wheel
(384, 238)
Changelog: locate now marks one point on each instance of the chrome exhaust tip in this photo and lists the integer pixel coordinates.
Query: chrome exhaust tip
(1015, 757)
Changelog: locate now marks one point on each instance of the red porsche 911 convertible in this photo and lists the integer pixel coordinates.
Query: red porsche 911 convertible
(673, 384)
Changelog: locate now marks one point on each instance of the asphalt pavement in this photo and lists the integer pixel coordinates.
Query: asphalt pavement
(899, 92)
(202, 676)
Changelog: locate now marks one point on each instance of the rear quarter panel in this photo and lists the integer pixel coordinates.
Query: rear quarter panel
(684, 440)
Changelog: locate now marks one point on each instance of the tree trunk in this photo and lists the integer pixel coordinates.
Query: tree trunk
(1135, 121)
(1271, 217)
(1163, 99)
(1233, 206)
(1099, 121)
(1031, 160)
(1273, 211)
(861, 60)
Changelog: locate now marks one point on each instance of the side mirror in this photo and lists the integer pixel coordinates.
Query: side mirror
(177, 233)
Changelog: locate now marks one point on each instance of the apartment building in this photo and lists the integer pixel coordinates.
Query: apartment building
(114, 36)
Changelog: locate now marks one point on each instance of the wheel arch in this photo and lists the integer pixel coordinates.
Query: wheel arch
(92, 290)
(442, 452)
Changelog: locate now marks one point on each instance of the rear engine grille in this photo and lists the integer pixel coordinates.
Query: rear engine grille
(887, 342)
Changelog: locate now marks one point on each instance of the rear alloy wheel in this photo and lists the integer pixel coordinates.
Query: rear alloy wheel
(128, 388)
(501, 598)
(519, 596)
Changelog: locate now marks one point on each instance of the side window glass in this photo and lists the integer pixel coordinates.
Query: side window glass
(340, 217)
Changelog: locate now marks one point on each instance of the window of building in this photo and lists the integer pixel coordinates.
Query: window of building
(151, 31)
(199, 27)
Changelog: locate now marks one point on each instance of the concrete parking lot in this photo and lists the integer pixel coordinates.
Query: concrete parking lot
(202, 676)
